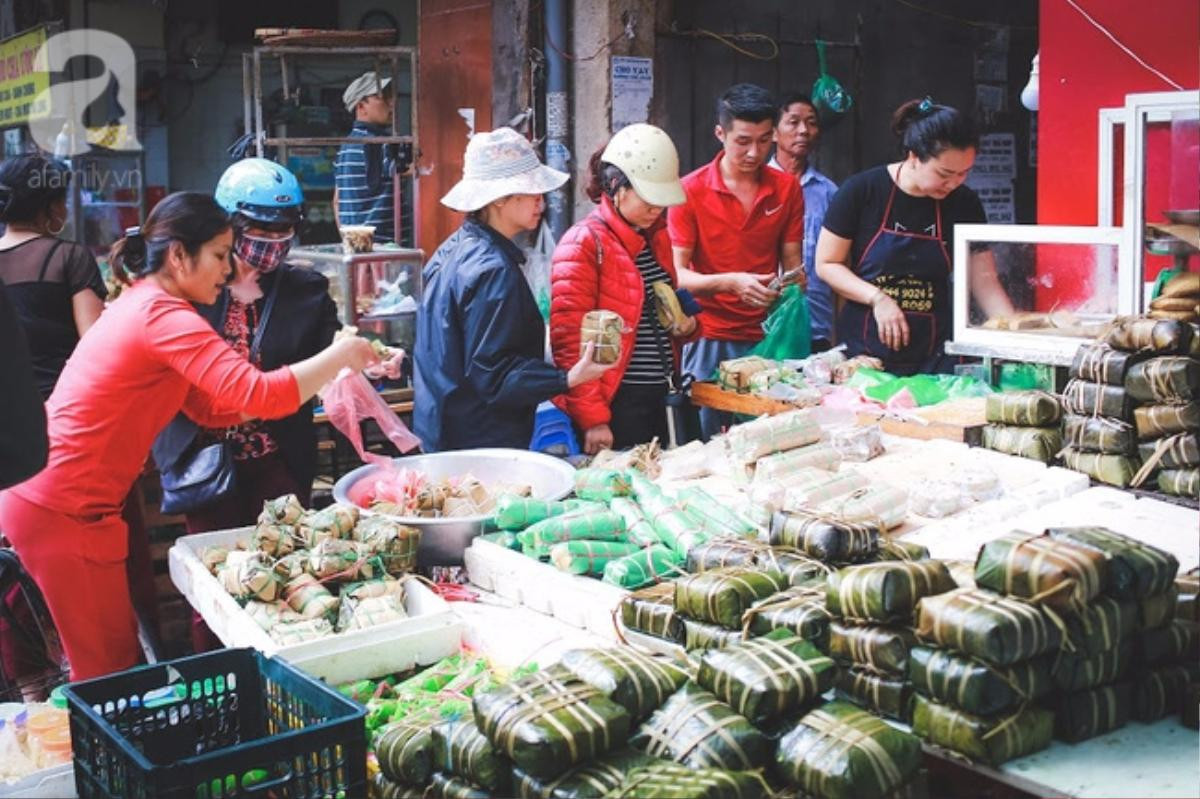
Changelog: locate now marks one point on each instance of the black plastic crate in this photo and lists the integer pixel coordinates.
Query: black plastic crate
(230, 723)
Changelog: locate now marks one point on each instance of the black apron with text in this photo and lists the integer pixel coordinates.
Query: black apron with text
(914, 270)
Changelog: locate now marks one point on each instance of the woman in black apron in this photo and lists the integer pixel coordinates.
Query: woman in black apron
(886, 238)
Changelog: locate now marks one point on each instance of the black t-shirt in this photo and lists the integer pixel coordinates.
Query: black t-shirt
(42, 275)
(856, 211)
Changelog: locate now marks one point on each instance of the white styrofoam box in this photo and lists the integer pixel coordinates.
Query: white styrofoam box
(583, 602)
(430, 633)
(512, 635)
(49, 783)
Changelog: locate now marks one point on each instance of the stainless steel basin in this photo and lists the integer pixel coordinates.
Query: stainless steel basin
(444, 540)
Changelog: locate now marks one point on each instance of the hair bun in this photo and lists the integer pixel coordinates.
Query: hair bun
(134, 251)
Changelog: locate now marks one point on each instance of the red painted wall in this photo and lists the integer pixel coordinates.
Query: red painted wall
(1083, 71)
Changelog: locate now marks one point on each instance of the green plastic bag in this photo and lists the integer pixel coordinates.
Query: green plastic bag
(925, 389)
(787, 330)
(831, 100)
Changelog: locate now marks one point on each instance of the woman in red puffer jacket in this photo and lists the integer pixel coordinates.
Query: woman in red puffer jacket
(609, 261)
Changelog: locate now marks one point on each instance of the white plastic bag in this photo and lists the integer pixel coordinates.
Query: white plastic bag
(537, 267)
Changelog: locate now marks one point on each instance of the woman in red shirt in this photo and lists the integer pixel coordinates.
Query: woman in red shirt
(149, 356)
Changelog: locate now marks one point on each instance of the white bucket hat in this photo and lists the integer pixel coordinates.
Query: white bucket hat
(648, 158)
(499, 163)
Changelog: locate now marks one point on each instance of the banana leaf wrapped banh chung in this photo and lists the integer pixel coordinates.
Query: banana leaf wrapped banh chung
(359, 614)
(592, 780)
(1156, 421)
(882, 504)
(723, 595)
(336, 521)
(1085, 714)
(639, 683)
(1023, 409)
(1180, 482)
(696, 729)
(643, 567)
(721, 552)
(769, 677)
(825, 538)
(514, 512)
(588, 557)
(713, 514)
(1099, 626)
(997, 629)
(777, 467)
(799, 569)
(550, 720)
(599, 525)
(665, 780)
(881, 649)
(285, 509)
(290, 633)
(1116, 470)
(1040, 568)
(878, 693)
(1036, 443)
(1099, 434)
(445, 786)
(1187, 605)
(839, 751)
(963, 572)
(340, 560)
(1160, 692)
(638, 529)
(1157, 609)
(1150, 335)
(895, 549)
(461, 750)
(396, 544)
(651, 611)
(250, 575)
(700, 636)
(1136, 570)
(1173, 642)
(383, 788)
(990, 741)
(310, 598)
(601, 484)
(1180, 451)
(405, 750)
(1100, 363)
(273, 539)
(887, 591)
(799, 609)
(975, 687)
(1097, 399)
(769, 435)
(1072, 672)
(1169, 380)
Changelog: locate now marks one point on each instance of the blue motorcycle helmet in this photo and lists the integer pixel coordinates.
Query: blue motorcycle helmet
(262, 191)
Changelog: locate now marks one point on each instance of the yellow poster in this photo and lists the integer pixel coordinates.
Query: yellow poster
(21, 79)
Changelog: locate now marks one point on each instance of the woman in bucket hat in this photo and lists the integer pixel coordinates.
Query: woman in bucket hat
(478, 366)
(611, 260)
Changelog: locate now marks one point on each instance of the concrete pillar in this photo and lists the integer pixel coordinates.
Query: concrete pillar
(510, 59)
(601, 29)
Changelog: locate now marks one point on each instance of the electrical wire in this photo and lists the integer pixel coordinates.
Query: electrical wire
(1122, 46)
(728, 40)
(606, 46)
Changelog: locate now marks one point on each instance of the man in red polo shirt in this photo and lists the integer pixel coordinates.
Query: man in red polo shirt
(741, 225)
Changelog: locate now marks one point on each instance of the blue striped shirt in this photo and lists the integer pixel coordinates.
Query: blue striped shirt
(818, 191)
(360, 202)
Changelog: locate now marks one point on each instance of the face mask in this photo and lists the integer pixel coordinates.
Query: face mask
(265, 255)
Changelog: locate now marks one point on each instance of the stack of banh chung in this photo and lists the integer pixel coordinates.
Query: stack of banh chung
(1163, 649)
(871, 634)
(1025, 424)
(1164, 385)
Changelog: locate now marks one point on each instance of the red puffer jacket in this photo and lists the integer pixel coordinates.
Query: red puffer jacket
(580, 283)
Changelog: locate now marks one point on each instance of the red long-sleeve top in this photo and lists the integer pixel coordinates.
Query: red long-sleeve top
(149, 356)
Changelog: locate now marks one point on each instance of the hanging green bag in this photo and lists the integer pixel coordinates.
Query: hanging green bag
(830, 99)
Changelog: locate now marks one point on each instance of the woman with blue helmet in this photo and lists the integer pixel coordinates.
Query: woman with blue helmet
(289, 312)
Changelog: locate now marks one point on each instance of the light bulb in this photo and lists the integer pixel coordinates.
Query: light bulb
(1029, 95)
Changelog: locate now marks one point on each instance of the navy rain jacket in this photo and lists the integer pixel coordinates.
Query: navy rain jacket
(479, 365)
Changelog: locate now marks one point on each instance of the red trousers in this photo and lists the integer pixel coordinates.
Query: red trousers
(79, 565)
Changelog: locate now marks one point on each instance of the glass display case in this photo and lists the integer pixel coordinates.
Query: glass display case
(1063, 283)
(377, 292)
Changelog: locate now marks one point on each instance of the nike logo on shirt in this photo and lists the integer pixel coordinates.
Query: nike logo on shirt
(770, 211)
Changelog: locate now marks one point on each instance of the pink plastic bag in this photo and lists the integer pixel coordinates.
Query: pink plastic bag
(349, 399)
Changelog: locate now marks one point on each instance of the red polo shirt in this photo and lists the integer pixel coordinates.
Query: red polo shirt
(724, 238)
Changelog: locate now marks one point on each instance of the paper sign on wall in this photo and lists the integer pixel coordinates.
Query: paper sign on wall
(996, 156)
(632, 89)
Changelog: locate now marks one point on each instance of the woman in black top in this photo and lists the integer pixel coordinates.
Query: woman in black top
(54, 285)
(886, 240)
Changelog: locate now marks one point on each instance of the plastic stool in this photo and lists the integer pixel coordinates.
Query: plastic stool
(552, 432)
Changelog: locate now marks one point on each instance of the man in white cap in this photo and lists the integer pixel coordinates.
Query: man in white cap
(363, 193)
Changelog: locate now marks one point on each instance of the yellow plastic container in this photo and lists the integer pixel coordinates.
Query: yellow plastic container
(54, 747)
